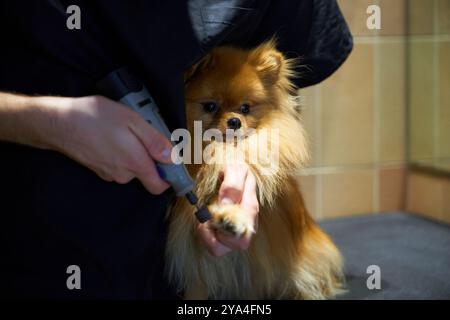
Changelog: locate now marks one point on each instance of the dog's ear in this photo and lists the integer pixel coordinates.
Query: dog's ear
(206, 63)
(269, 62)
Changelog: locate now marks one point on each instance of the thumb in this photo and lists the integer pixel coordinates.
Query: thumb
(157, 145)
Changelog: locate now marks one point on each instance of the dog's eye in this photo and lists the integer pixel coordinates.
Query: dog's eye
(210, 107)
(245, 108)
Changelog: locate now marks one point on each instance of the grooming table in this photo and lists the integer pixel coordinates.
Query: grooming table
(413, 254)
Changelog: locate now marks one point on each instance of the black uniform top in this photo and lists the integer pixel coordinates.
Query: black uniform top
(55, 212)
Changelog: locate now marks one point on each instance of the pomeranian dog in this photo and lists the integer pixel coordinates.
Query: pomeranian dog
(289, 257)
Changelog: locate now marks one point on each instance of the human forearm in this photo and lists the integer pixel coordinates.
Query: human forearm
(101, 134)
(31, 121)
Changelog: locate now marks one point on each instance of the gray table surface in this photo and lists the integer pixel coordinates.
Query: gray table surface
(413, 254)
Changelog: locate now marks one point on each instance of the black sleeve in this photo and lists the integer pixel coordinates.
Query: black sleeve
(313, 30)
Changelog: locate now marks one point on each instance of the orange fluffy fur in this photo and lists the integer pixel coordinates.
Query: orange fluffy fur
(289, 257)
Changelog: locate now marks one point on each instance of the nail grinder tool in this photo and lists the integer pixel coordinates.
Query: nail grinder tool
(124, 86)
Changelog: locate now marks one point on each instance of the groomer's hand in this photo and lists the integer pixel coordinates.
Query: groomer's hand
(103, 135)
(113, 141)
(239, 187)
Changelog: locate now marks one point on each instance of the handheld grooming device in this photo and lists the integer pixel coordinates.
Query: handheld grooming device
(123, 86)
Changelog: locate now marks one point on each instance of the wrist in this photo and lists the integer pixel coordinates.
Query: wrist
(36, 121)
(51, 128)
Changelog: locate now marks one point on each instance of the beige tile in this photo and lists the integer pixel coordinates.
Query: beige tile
(392, 189)
(443, 16)
(347, 111)
(425, 195)
(393, 17)
(444, 110)
(308, 189)
(446, 201)
(421, 17)
(355, 14)
(421, 101)
(346, 194)
(392, 109)
(309, 114)
(443, 165)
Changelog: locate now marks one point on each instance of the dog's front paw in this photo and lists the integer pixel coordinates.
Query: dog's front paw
(232, 219)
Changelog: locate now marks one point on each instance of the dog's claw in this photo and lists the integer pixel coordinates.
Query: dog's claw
(231, 219)
(228, 226)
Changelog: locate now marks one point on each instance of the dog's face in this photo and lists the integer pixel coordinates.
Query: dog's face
(234, 89)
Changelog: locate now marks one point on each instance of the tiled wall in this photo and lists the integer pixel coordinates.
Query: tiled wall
(429, 114)
(429, 195)
(356, 121)
(379, 111)
(429, 66)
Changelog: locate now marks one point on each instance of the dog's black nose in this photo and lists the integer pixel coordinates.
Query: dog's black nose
(234, 123)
